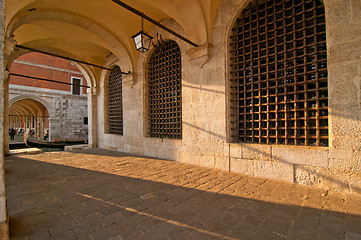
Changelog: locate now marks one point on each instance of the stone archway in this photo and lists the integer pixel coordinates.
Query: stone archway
(26, 115)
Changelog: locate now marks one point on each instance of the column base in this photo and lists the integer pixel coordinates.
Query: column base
(4, 231)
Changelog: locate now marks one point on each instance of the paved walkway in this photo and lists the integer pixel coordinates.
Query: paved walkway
(99, 194)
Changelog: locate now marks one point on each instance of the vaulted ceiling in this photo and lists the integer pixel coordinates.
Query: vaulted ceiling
(28, 107)
(91, 30)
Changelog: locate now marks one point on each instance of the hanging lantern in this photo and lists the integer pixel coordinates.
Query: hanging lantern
(142, 40)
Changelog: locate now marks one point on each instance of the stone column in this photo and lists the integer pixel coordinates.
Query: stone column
(42, 130)
(92, 117)
(4, 232)
(37, 127)
(26, 123)
(39, 130)
(5, 82)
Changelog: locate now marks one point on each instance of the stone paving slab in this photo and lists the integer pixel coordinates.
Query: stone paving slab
(103, 194)
(25, 151)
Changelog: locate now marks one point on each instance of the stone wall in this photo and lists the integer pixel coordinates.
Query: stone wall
(205, 117)
(68, 125)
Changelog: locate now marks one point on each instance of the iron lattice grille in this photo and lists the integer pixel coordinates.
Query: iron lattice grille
(279, 74)
(165, 92)
(115, 102)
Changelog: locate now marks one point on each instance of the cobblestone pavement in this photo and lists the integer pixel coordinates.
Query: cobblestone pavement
(101, 194)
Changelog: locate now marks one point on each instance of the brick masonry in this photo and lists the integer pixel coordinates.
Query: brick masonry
(44, 66)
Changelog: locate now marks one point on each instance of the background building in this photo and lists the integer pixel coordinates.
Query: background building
(43, 105)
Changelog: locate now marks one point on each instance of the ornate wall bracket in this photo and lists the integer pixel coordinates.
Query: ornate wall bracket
(200, 53)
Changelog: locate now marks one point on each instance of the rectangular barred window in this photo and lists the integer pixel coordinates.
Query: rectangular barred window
(279, 91)
(165, 92)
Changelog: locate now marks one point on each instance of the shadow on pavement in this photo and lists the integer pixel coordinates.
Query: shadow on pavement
(52, 201)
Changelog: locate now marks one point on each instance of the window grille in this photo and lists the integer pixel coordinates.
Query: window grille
(278, 82)
(115, 102)
(165, 92)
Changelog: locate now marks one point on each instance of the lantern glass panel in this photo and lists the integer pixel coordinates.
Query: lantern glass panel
(138, 41)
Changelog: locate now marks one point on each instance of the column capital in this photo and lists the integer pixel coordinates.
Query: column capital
(9, 48)
(93, 91)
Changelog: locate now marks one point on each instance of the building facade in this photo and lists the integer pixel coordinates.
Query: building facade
(297, 119)
(42, 105)
(269, 88)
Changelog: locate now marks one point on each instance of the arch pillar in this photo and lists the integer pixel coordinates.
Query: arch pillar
(52, 128)
(5, 90)
(92, 117)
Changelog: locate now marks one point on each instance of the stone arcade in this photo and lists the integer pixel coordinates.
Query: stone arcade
(271, 90)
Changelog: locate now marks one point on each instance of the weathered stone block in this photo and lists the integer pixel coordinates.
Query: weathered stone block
(150, 150)
(355, 186)
(339, 35)
(300, 155)
(344, 87)
(356, 12)
(218, 131)
(338, 13)
(306, 175)
(76, 147)
(213, 148)
(188, 157)
(127, 148)
(335, 179)
(206, 160)
(344, 125)
(340, 163)
(241, 166)
(137, 150)
(265, 169)
(4, 231)
(2, 7)
(356, 161)
(190, 146)
(345, 52)
(188, 132)
(114, 141)
(235, 150)
(203, 132)
(340, 159)
(222, 163)
(168, 152)
(3, 213)
(273, 170)
(346, 142)
(253, 151)
(340, 153)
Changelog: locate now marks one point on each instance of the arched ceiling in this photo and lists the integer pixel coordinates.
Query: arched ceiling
(28, 107)
(92, 30)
